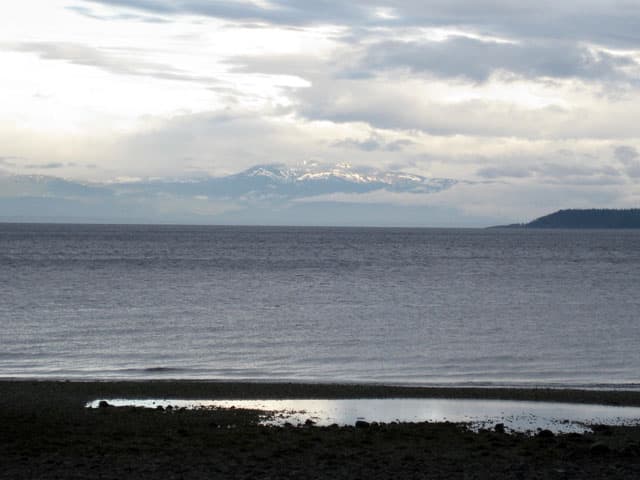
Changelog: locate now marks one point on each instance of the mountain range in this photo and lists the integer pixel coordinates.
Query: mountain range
(263, 194)
(275, 181)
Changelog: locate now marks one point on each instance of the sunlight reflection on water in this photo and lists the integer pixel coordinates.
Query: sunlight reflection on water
(517, 416)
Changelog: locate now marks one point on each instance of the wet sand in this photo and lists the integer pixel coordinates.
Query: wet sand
(45, 432)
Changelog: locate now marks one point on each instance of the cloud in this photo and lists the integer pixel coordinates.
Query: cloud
(556, 173)
(521, 202)
(79, 54)
(506, 202)
(607, 22)
(396, 103)
(466, 86)
(90, 13)
(505, 172)
(278, 11)
(626, 153)
(477, 60)
(486, 89)
(630, 158)
(7, 161)
(372, 143)
(279, 64)
(559, 170)
(47, 166)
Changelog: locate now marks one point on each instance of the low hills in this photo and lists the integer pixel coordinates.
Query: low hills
(586, 218)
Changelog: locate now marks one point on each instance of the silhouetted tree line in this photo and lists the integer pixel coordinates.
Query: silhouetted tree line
(589, 218)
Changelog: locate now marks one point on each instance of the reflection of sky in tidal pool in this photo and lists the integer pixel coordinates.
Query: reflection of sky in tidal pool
(516, 415)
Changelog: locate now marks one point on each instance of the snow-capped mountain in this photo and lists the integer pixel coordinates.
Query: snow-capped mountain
(251, 196)
(261, 181)
(314, 179)
(278, 181)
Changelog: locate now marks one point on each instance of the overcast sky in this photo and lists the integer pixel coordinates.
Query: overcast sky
(536, 103)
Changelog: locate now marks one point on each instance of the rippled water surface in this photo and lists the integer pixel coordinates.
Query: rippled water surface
(401, 306)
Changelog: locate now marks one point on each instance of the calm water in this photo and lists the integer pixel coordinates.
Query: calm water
(394, 306)
(514, 415)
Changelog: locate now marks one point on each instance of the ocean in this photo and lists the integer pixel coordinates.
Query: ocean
(394, 306)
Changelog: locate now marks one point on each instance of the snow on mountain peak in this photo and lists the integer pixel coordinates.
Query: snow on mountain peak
(313, 177)
(342, 171)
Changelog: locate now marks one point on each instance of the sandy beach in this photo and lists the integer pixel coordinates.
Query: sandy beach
(46, 432)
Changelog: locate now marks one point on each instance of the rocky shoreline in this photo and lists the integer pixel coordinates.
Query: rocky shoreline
(45, 432)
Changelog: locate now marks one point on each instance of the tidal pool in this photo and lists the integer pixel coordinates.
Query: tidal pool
(517, 416)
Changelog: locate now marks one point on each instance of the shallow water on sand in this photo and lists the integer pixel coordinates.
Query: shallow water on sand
(400, 306)
(517, 416)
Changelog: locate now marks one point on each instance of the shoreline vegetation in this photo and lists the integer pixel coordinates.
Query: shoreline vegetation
(46, 432)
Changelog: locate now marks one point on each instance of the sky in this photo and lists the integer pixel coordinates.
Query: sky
(532, 106)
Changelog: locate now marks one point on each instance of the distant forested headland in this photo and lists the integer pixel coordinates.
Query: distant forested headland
(588, 218)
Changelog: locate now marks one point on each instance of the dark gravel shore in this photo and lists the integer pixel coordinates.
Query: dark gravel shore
(45, 432)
